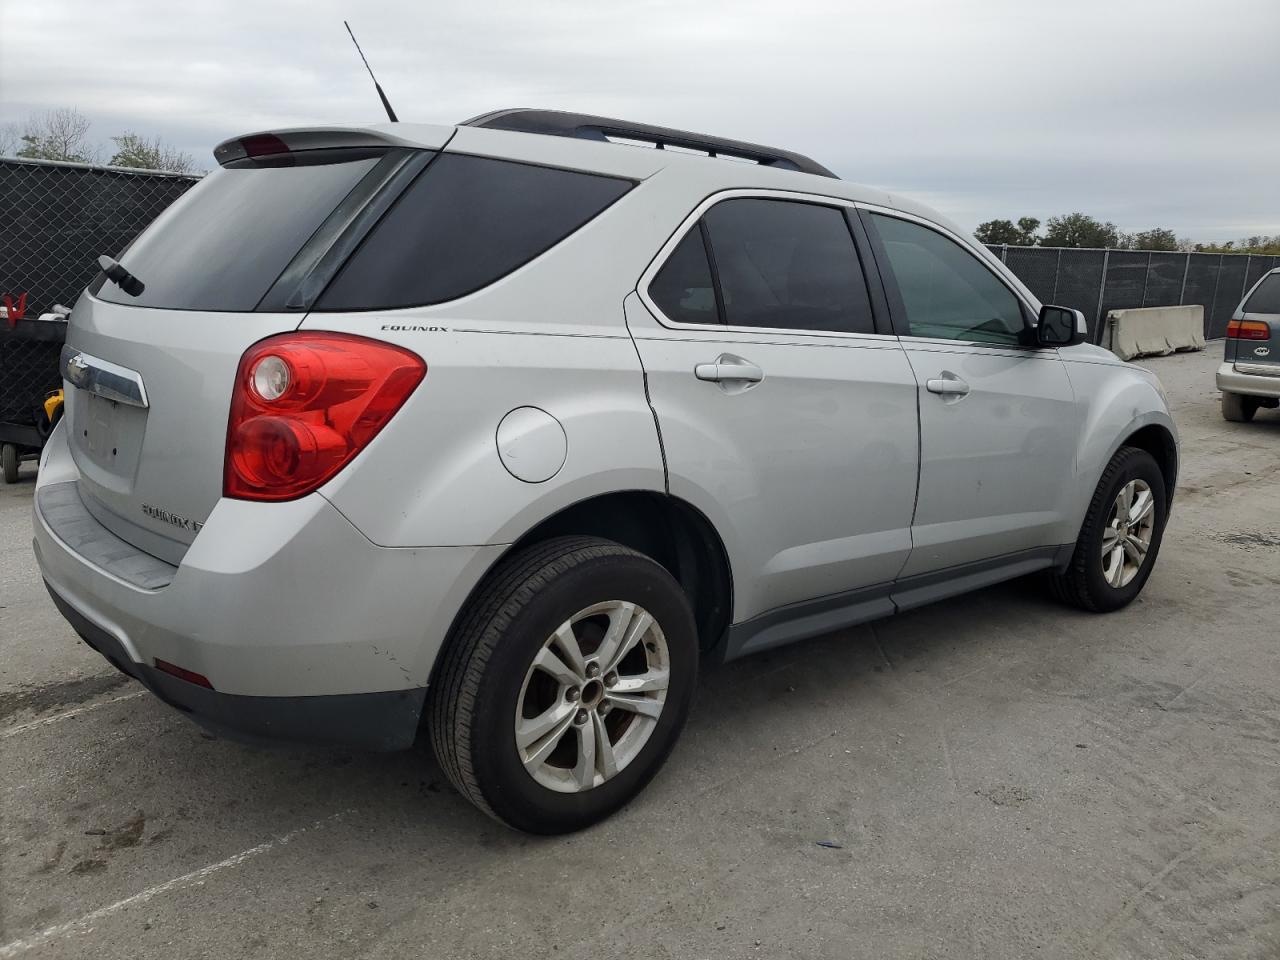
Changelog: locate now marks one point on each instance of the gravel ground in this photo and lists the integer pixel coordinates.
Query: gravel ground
(992, 776)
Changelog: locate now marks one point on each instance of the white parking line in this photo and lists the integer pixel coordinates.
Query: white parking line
(32, 725)
(186, 880)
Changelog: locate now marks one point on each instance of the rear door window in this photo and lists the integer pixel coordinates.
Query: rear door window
(464, 223)
(1266, 299)
(787, 264)
(223, 243)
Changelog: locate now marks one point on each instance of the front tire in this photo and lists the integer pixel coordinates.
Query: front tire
(1120, 538)
(564, 685)
(1238, 408)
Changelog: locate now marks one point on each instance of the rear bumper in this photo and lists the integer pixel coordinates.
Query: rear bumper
(306, 630)
(1231, 380)
(375, 721)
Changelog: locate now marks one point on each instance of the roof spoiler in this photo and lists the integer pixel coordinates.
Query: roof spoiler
(586, 127)
(270, 143)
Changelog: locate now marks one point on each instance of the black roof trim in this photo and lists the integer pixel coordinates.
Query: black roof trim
(583, 126)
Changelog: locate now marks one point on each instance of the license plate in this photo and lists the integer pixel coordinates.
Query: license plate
(99, 428)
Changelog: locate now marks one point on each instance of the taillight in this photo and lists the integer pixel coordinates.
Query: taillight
(1248, 330)
(304, 404)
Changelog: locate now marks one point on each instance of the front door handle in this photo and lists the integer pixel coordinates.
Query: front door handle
(728, 368)
(948, 385)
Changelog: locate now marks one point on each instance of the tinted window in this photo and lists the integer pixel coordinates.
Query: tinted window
(224, 242)
(787, 264)
(946, 291)
(1266, 299)
(462, 224)
(683, 287)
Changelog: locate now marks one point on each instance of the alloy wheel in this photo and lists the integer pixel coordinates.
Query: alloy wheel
(592, 696)
(1126, 539)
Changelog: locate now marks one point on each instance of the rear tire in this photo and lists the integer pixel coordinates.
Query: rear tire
(1104, 574)
(1238, 408)
(9, 462)
(493, 688)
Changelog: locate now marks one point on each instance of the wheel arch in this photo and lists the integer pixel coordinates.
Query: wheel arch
(1159, 441)
(1152, 431)
(667, 529)
(1119, 406)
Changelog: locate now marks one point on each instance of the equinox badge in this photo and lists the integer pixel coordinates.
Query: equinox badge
(185, 523)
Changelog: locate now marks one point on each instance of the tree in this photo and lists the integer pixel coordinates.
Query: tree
(1267, 246)
(1079, 230)
(1029, 226)
(9, 139)
(60, 134)
(1157, 238)
(1023, 234)
(133, 150)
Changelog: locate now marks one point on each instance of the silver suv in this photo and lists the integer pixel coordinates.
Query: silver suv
(501, 429)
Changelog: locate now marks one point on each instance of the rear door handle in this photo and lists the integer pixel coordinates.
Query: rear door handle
(948, 385)
(728, 368)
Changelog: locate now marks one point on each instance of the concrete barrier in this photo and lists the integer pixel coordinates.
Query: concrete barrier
(1155, 331)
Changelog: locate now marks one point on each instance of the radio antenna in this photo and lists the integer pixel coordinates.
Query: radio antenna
(386, 104)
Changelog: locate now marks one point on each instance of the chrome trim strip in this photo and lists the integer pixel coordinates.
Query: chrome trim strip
(102, 377)
(983, 255)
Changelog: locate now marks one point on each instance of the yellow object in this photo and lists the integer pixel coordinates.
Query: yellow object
(51, 404)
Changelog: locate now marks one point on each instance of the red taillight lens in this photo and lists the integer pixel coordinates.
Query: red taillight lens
(304, 404)
(1248, 330)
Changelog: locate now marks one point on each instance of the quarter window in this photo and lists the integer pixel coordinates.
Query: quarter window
(946, 291)
(683, 288)
(462, 224)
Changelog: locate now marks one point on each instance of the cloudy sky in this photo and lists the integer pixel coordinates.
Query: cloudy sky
(1144, 112)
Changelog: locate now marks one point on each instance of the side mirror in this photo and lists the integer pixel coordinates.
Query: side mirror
(1060, 327)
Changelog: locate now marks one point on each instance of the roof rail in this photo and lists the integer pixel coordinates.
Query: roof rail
(583, 126)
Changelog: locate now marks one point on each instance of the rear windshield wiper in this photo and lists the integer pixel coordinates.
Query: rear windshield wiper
(121, 277)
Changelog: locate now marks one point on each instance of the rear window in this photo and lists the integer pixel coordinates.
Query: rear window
(1266, 299)
(464, 223)
(223, 243)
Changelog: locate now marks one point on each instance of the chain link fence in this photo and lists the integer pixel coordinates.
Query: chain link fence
(1096, 281)
(56, 219)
